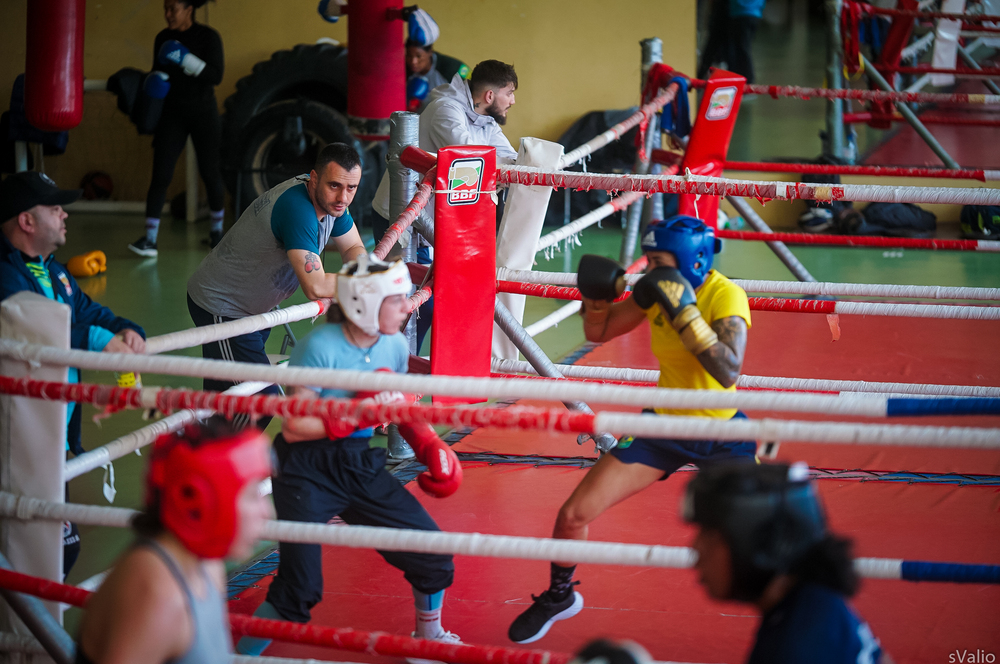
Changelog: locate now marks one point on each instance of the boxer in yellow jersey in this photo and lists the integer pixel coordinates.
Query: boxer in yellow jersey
(699, 321)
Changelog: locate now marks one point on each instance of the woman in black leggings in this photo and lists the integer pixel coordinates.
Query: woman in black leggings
(189, 54)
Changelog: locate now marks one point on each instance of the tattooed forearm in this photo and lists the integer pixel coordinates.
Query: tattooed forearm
(725, 359)
(313, 263)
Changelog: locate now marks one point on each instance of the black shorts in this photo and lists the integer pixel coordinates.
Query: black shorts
(668, 454)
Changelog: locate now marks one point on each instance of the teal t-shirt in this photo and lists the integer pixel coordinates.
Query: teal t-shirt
(326, 347)
(291, 208)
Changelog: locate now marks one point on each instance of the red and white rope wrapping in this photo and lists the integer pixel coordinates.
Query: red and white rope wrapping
(616, 132)
(886, 171)
(396, 539)
(539, 419)
(639, 376)
(130, 442)
(799, 92)
(864, 241)
(202, 335)
(911, 13)
(801, 306)
(342, 638)
(796, 287)
(409, 214)
(929, 118)
(762, 191)
(614, 205)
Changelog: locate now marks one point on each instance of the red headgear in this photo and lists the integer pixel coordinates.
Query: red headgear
(199, 480)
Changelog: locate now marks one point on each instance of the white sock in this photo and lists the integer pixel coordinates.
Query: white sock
(217, 217)
(428, 614)
(152, 229)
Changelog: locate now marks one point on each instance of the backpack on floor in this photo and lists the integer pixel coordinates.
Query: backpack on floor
(891, 219)
(981, 222)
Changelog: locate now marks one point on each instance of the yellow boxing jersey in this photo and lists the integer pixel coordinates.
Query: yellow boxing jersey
(718, 298)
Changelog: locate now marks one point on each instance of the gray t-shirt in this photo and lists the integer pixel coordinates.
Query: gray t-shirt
(248, 273)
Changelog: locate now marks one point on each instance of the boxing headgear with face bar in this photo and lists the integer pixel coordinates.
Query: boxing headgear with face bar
(198, 481)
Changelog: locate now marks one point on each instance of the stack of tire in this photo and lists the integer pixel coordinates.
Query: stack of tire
(282, 115)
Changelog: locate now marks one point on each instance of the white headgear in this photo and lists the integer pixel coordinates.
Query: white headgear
(364, 283)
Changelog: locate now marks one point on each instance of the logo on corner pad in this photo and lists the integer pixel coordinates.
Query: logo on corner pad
(465, 176)
(720, 105)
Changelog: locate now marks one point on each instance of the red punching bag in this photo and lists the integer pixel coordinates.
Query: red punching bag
(53, 73)
(376, 68)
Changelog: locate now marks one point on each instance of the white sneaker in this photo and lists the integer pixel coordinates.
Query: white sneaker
(447, 637)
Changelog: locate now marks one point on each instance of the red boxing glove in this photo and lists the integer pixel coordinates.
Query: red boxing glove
(444, 473)
(383, 399)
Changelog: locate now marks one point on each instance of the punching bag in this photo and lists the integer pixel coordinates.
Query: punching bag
(53, 74)
(376, 68)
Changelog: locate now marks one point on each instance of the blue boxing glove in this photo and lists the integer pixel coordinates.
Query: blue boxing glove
(421, 28)
(417, 88)
(174, 52)
(330, 10)
(156, 85)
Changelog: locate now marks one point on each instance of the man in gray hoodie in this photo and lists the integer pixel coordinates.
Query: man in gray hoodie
(461, 113)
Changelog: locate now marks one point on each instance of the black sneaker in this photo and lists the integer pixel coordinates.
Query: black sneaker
(535, 622)
(143, 247)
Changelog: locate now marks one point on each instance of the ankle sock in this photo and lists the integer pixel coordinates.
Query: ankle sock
(217, 217)
(561, 583)
(428, 614)
(152, 229)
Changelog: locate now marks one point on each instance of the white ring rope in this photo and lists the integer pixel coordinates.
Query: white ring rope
(197, 336)
(552, 390)
(762, 382)
(553, 319)
(790, 287)
(418, 541)
(759, 189)
(666, 96)
(589, 219)
(130, 442)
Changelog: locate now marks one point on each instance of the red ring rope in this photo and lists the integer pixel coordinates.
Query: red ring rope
(379, 643)
(799, 92)
(829, 169)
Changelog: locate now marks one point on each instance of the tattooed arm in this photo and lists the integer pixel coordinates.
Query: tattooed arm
(724, 360)
(315, 281)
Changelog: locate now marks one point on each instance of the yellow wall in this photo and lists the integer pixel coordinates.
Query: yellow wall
(572, 56)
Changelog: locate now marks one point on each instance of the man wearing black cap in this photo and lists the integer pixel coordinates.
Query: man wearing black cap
(34, 226)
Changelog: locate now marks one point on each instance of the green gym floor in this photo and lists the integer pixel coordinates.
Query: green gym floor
(152, 291)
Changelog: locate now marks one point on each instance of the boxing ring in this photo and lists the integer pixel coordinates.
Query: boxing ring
(918, 496)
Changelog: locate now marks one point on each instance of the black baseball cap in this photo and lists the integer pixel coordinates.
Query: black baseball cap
(23, 191)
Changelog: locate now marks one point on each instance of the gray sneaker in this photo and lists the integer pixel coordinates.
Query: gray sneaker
(144, 247)
(398, 447)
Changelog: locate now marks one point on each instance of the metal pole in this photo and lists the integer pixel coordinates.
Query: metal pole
(541, 363)
(39, 621)
(783, 253)
(404, 130)
(191, 194)
(834, 144)
(910, 116)
(20, 157)
(966, 55)
(652, 52)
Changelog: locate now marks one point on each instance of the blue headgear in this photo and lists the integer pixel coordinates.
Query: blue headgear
(769, 515)
(690, 241)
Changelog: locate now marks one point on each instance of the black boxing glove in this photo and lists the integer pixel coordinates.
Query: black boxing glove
(667, 287)
(600, 278)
